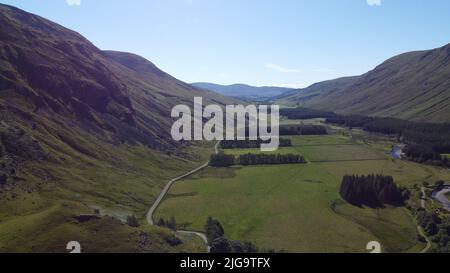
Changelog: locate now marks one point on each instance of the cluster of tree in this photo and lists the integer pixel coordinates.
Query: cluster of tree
(222, 160)
(270, 159)
(304, 130)
(424, 153)
(219, 243)
(3, 178)
(425, 141)
(373, 191)
(436, 228)
(350, 121)
(132, 221)
(304, 113)
(213, 230)
(250, 144)
(171, 224)
(225, 245)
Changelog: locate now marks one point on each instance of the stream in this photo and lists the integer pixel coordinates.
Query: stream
(441, 197)
(397, 151)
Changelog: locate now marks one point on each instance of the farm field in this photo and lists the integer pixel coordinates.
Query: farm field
(297, 208)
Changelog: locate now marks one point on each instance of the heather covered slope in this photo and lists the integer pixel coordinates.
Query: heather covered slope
(83, 131)
(414, 86)
(57, 70)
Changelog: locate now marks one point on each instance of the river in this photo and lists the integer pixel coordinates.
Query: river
(397, 151)
(441, 196)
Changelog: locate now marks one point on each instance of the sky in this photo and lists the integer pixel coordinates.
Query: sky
(292, 43)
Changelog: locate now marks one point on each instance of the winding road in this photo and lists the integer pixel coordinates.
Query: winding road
(424, 197)
(419, 228)
(166, 189)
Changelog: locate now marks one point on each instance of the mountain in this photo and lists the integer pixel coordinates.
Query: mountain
(243, 91)
(412, 86)
(84, 134)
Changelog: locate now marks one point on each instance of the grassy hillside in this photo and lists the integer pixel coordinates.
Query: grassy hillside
(413, 86)
(85, 132)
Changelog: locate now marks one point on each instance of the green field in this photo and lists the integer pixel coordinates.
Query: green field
(297, 207)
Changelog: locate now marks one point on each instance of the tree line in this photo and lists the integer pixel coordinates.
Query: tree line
(304, 113)
(373, 191)
(270, 159)
(225, 160)
(171, 223)
(251, 144)
(302, 130)
(222, 160)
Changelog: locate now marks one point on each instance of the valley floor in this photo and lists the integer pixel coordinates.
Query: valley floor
(297, 208)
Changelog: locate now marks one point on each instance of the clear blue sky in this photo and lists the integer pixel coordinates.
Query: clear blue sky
(259, 42)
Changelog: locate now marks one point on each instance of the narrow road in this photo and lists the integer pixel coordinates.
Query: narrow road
(419, 228)
(424, 197)
(151, 212)
(422, 233)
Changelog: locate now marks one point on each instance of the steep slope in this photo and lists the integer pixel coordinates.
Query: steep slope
(414, 86)
(317, 90)
(243, 91)
(83, 131)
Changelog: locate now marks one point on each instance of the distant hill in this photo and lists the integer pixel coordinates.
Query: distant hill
(84, 131)
(412, 86)
(243, 91)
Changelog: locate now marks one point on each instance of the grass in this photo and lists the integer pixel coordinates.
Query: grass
(292, 207)
(321, 140)
(334, 153)
(394, 227)
(42, 220)
(324, 149)
(53, 228)
(37, 212)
